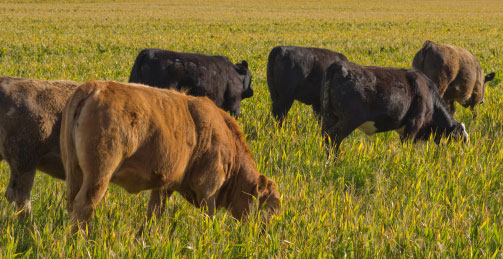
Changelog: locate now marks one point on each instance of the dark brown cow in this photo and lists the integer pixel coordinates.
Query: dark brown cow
(30, 118)
(145, 138)
(455, 71)
(378, 99)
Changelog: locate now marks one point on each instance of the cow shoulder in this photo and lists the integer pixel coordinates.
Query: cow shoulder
(202, 111)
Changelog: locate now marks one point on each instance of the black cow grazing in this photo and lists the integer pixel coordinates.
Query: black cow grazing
(378, 99)
(295, 73)
(212, 76)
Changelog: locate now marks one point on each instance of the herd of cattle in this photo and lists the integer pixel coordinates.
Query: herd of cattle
(141, 137)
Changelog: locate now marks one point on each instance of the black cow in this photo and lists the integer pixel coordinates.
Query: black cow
(378, 99)
(212, 76)
(295, 73)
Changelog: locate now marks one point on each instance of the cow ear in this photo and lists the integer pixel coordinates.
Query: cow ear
(242, 67)
(244, 64)
(261, 185)
(489, 77)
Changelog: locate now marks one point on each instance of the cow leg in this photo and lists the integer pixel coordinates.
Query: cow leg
(317, 112)
(211, 206)
(157, 202)
(156, 206)
(89, 196)
(338, 132)
(73, 185)
(233, 105)
(281, 107)
(20, 185)
(96, 174)
(452, 107)
(416, 119)
(474, 112)
(208, 204)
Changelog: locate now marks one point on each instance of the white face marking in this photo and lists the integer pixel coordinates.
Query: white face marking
(465, 134)
(401, 130)
(368, 127)
(11, 111)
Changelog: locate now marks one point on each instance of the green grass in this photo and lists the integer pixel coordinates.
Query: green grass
(383, 198)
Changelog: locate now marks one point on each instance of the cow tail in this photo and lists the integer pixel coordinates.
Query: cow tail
(70, 115)
(276, 51)
(135, 76)
(325, 97)
(418, 61)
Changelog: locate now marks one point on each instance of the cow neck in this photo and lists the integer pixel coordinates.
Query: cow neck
(242, 178)
(442, 119)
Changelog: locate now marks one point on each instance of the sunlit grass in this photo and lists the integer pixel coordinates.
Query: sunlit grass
(381, 198)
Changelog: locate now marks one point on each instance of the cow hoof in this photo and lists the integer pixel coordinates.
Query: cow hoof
(24, 215)
(10, 194)
(139, 234)
(23, 209)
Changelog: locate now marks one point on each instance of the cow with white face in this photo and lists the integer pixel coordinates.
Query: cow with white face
(378, 99)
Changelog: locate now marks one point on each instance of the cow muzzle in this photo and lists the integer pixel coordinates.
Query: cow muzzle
(247, 94)
(466, 137)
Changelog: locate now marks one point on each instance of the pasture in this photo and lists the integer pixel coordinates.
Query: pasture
(380, 198)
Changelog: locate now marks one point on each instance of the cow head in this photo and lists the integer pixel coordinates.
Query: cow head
(267, 194)
(260, 189)
(487, 78)
(477, 96)
(242, 69)
(458, 132)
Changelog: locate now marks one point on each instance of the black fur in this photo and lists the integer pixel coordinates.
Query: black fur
(295, 73)
(392, 98)
(202, 75)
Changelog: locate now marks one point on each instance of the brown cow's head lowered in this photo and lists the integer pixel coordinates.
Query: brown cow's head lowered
(202, 153)
(267, 194)
(263, 190)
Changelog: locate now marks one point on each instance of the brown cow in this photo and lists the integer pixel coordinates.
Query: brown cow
(145, 138)
(455, 71)
(30, 118)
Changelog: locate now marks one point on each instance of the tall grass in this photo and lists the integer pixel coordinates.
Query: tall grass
(381, 198)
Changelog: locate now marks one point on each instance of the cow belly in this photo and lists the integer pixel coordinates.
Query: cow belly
(51, 164)
(368, 127)
(135, 180)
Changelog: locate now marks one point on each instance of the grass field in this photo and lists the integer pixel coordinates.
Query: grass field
(383, 198)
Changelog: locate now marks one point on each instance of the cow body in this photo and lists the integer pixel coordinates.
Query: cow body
(202, 75)
(30, 118)
(455, 71)
(145, 138)
(296, 73)
(378, 99)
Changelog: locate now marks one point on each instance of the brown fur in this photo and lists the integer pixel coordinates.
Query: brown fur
(30, 117)
(455, 71)
(144, 138)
